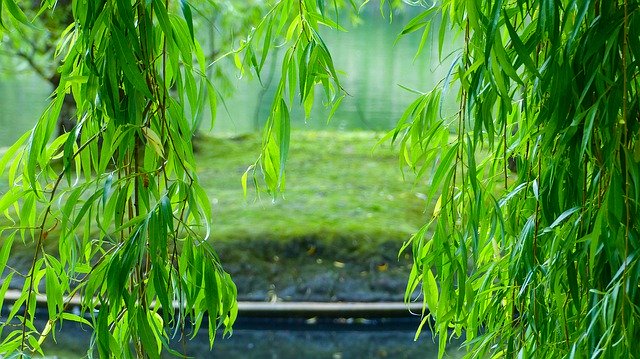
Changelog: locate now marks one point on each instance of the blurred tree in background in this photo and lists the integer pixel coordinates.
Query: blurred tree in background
(220, 26)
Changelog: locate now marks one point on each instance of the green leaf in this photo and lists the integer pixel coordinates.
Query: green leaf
(3, 290)
(430, 288)
(423, 40)
(443, 167)
(521, 50)
(74, 318)
(417, 22)
(566, 214)
(588, 130)
(244, 179)
(54, 295)
(129, 67)
(211, 298)
(7, 243)
(491, 30)
(504, 61)
(284, 136)
(16, 12)
(12, 196)
(86, 206)
(154, 140)
(107, 189)
(186, 12)
(150, 342)
(11, 153)
(572, 277)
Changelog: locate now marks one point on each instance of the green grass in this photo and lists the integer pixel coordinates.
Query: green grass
(337, 187)
(335, 232)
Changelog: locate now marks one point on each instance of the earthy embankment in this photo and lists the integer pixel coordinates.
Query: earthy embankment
(332, 235)
(311, 270)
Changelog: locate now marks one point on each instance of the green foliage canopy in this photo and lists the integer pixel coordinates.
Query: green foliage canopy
(542, 262)
(119, 191)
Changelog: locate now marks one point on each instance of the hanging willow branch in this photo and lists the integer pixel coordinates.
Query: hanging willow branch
(542, 262)
(114, 206)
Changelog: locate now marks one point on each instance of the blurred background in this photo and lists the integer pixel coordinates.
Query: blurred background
(335, 233)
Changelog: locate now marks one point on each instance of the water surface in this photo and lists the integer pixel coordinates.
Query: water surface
(372, 67)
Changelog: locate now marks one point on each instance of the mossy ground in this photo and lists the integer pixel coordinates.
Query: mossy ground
(337, 186)
(335, 232)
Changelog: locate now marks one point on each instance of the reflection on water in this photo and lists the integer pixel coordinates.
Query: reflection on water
(371, 67)
(255, 338)
(372, 71)
(22, 100)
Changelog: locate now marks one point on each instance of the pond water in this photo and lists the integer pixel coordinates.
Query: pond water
(273, 338)
(371, 67)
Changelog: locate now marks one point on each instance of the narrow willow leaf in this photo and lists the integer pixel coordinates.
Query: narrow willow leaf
(10, 197)
(320, 4)
(16, 12)
(3, 291)
(419, 329)
(523, 54)
(154, 140)
(572, 277)
(444, 167)
(284, 135)
(186, 12)
(74, 318)
(417, 22)
(504, 61)
(494, 21)
(334, 107)
(107, 189)
(211, 298)
(266, 44)
(11, 153)
(588, 130)
(150, 342)
(566, 214)
(7, 244)
(54, 295)
(430, 289)
(130, 70)
(512, 194)
(243, 180)
(578, 21)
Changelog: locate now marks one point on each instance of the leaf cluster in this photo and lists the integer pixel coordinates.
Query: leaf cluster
(533, 245)
(119, 193)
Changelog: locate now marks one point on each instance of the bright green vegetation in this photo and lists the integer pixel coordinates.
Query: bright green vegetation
(546, 265)
(346, 211)
(333, 235)
(344, 190)
(353, 189)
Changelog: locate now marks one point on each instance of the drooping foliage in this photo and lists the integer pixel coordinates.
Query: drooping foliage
(305, 64)
(118, 196)
(533, 247)
(113, 208)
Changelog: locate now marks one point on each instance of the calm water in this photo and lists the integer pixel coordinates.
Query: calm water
(372, 70)
(274, 338)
